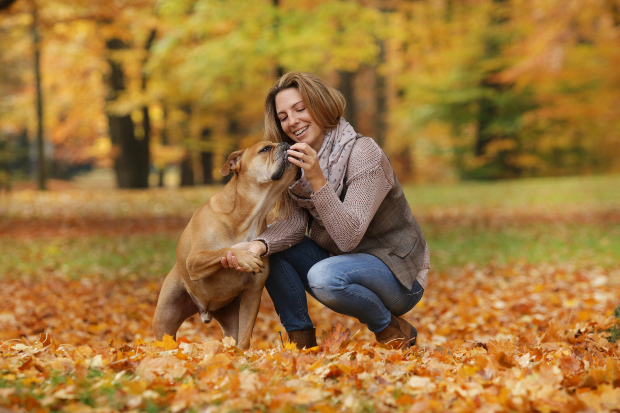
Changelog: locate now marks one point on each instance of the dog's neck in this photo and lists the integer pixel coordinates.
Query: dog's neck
(249, 204)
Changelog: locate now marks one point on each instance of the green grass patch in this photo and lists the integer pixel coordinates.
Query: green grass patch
(109, 257)
(154, 255)
(540, 243)
(523, 192)
(453, 243)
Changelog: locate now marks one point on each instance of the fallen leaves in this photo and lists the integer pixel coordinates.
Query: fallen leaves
(338, 338)
(491, 338)
(75, 345)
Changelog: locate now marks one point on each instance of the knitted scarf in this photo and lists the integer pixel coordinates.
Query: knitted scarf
(333, 160)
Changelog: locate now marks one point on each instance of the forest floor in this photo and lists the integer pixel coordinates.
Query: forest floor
(525, 278)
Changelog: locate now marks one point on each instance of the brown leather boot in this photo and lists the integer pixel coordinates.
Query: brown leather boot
(303, 338)
(398, 334)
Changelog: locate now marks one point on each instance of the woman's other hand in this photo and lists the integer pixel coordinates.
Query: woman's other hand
(230, 261)
(302, 155)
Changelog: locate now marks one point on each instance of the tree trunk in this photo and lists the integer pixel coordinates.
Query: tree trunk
(487, 112)
(206, 159)
(380, 124)
(276, 30)
(207, 168)
(131, 163)
(187, 172)
(4, 4)
(164, 142)
(146, 119)
(6, 154)
(41, 170)
(187, 165)
(160, 177)
(490, 115)
(347, 88)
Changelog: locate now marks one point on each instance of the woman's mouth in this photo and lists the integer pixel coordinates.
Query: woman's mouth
(301, 132)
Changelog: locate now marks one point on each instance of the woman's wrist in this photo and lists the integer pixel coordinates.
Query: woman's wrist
(261, 247)
(318, 183)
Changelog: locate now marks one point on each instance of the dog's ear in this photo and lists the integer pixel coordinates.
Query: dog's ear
(233, 163)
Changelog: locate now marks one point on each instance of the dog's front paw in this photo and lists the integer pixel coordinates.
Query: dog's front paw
(247, 261)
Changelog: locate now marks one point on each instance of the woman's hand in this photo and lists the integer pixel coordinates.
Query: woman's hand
(230, 261)
(302, 155)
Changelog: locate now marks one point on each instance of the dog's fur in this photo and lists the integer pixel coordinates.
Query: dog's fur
(198, 283)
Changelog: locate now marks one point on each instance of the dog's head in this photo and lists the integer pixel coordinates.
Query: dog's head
(263, 162)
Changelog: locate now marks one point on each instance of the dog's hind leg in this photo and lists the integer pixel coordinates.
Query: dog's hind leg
(173, 306)
(228, 318)
(250, 303)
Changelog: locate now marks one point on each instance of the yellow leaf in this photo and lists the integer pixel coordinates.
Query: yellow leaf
(167, 343)
(135, 387)
(228, 342)
(29, 380)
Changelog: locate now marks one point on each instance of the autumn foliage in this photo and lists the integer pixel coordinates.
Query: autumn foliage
(451, 89)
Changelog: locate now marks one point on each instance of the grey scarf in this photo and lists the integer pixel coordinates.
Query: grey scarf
(333, 160)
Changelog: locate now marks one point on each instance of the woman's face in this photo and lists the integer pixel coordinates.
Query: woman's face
(296, 120)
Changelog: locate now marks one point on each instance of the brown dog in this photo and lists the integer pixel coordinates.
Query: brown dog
(198, 283)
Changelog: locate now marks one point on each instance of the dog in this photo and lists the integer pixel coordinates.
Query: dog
(198, 283)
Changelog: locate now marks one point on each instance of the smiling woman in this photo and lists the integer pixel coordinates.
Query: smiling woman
(365, 255)
(296, 121)
(302, 102)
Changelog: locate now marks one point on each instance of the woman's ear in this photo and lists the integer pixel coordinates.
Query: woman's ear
(233, 163)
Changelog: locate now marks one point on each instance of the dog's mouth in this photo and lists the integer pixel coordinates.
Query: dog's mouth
(282, 162)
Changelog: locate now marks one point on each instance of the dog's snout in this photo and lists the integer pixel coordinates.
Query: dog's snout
(280, 158)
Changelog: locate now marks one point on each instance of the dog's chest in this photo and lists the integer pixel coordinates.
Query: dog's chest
(256, 228)
(223, 286)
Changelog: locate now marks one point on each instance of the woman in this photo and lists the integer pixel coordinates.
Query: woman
(365, 255)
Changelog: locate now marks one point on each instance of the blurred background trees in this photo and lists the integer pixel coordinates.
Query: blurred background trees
(476, 89)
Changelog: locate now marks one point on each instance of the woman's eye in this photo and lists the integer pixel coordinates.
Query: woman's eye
(283, 119)
(265, 149)
(301, 110)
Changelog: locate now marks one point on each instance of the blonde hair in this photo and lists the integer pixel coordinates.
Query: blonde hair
(324, 102)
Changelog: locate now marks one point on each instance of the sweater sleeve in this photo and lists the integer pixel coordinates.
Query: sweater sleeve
(370, 178)
(284, 234)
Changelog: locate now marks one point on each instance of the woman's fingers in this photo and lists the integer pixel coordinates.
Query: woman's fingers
(296, 154)
(302, 155)
(303, 160)
(303, 147)
(253, 264)
(297, 162)
(230, 261)
(233, 262)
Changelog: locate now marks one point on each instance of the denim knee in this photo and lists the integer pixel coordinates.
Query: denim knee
(323, 279)
(276, 255)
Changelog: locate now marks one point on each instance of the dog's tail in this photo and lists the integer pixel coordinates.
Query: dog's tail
(206, 316)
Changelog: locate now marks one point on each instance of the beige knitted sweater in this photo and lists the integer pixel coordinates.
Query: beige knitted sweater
(369, 178)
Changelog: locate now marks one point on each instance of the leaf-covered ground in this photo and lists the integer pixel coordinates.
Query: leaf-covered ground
(519, 335)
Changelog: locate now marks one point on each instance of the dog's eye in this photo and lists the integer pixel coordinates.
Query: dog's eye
(265, 149)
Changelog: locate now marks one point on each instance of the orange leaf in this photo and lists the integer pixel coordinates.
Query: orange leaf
(332, 341)
(167, 343)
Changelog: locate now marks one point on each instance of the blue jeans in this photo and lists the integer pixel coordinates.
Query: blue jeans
(357, 285)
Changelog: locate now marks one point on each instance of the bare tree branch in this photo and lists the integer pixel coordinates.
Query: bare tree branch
(6, 3)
